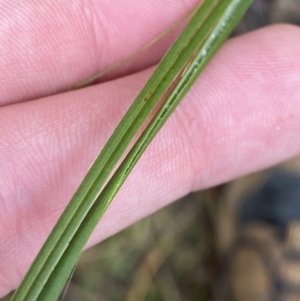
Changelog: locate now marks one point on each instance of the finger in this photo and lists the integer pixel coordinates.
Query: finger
(241, 116)
(48, 47)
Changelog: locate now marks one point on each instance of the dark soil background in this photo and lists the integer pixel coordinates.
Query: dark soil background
(171, 255)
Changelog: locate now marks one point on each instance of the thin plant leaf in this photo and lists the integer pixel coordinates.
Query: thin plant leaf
(51, 269)
(97, 76)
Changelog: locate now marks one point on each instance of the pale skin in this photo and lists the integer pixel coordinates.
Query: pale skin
(241, 116)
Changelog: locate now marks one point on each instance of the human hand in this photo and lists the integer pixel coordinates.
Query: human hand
(241, 116)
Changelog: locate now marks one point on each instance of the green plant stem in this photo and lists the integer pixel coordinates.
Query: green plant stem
(113, 150)
(108, 158)
(51, 268)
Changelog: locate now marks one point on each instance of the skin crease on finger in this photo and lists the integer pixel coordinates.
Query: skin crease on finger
(74, 40)
(242, 115)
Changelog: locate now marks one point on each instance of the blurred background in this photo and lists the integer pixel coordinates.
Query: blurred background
(212, 245)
